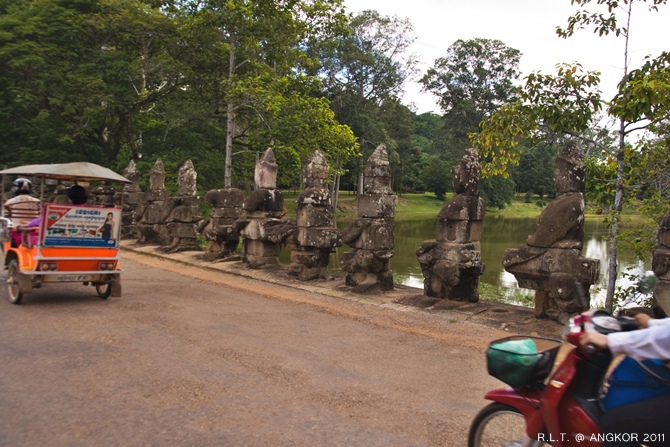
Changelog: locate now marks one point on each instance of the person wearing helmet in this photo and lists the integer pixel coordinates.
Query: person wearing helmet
(22, 208)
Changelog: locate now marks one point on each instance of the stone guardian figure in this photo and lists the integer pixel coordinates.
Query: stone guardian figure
(452, 262)
(263, 229)
(371, 233)
(316, 236)
(551, 261)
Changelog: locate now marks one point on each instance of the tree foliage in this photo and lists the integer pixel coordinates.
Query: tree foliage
(564, 103)
(364, 72)
(436, 175)
(79, 78)
(497, 191)
(103, 80)
(569, 101)
(473, 81)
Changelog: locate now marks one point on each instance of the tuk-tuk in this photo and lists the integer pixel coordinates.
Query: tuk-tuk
(69, 242)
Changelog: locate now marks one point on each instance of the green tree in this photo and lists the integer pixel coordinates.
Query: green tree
(78, 79)
(426, 127)
(568, 102)
(249, 64)
(473, 80)
(497, 191)
(436, 175)
(536, 169)
(364, 72)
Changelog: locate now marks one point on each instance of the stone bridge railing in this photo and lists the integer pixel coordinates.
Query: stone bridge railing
(550, 262)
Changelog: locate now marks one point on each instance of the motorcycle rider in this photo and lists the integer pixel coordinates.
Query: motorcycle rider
(647, 418)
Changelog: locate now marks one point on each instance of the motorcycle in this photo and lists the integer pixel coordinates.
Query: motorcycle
(558, 405)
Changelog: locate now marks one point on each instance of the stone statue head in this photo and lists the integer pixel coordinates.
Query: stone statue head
(265, 174)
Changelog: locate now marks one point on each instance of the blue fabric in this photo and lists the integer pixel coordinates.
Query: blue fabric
(629, 383)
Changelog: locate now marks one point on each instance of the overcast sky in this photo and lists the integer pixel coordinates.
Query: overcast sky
(527, 25)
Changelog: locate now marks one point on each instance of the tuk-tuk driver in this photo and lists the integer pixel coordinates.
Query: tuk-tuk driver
(22, 208)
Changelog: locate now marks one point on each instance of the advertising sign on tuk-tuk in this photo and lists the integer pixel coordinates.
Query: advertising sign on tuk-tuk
(80, 226)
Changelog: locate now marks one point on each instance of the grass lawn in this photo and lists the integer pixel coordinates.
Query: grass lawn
(423, 206)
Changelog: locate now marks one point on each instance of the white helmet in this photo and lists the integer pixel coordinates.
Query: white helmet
(22, 186)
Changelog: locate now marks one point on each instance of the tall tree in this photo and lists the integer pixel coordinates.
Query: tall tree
(363, 71)
(627, 107)
(473, 80)
(568, 102)
(78, 79)
(250, 59)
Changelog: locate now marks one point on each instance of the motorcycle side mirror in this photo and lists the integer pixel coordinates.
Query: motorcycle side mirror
(648, 282)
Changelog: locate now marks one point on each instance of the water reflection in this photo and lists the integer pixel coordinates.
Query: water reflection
(499, 235)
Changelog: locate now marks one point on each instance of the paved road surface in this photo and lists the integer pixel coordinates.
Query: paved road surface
(194, 358)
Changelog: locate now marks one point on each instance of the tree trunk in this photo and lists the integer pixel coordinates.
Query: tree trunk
(230, 120)
(614, 224)
(335, 192)
(618, 194)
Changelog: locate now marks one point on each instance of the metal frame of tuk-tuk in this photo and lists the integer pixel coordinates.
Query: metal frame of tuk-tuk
(33, 263)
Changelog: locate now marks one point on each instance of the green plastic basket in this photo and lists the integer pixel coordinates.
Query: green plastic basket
(521, 361)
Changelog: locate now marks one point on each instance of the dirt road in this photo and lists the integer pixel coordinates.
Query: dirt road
(189, 357)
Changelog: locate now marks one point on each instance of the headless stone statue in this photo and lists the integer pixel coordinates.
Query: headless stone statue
(551, 261)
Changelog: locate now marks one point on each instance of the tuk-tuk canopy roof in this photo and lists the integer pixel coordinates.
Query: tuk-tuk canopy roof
(81, 171)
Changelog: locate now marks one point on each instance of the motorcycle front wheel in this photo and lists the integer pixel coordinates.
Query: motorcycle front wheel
(500, 425)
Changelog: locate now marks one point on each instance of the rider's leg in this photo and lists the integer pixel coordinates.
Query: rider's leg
(645, 421)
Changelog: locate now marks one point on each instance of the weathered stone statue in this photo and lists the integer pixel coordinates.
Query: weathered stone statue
(151, 224)
(184, 213)
(371, 233)
(316, 237)
(103, 195)
(220, 231)
(660, 264)
(131, 202)
(551, 261)
(451, 263)
(263, 229)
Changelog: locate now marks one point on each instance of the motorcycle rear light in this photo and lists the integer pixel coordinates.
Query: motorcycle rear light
(107, 265)
(48, 266)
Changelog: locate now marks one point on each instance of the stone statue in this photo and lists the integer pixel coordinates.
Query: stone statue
(184, 213)
(371, 233)
(152, 225)
(451, 264)
(220, 231)
(262, 228)
(551, 261)
(316, 236)
(660, 264)
(131, 200)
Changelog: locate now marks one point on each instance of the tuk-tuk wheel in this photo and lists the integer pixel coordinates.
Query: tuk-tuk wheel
(104, 290)
(13, 289)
